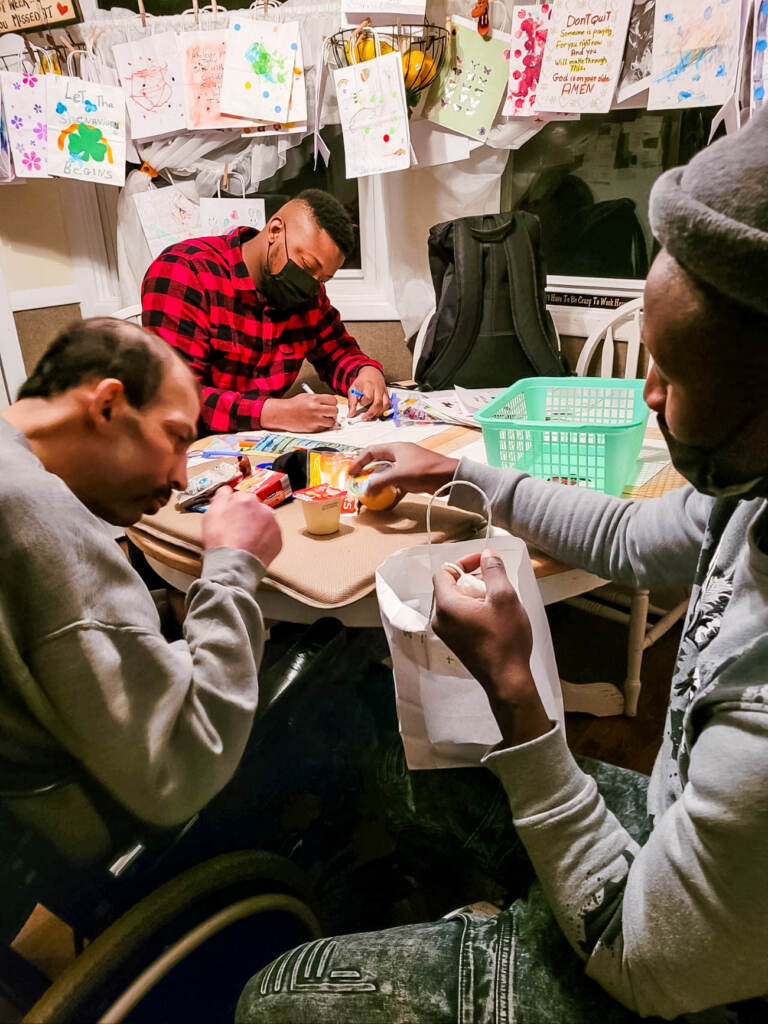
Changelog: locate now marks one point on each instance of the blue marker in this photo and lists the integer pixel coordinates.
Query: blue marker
(356, 393)
(395, 409)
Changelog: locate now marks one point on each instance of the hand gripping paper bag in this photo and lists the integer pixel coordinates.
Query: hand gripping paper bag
(444, 714)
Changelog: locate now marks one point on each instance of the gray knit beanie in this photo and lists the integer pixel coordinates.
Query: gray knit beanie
(712, 215)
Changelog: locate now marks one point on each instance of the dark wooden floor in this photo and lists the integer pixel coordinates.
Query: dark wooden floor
(590, 649)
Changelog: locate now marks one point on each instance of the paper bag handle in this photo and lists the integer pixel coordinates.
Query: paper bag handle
(460, 483)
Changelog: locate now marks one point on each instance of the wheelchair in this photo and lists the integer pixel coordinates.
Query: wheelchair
(160, 934)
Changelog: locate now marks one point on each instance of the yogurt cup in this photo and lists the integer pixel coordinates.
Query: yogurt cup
(322, 508)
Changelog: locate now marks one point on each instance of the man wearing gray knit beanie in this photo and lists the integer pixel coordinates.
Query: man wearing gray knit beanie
(650, 897)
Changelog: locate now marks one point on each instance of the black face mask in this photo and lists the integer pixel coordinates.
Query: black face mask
(289, 287)
(705, 469)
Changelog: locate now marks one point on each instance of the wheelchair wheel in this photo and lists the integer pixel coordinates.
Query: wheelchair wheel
(185, 951)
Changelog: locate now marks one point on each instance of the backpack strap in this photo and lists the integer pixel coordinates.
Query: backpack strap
(527, 301)
(467, 267)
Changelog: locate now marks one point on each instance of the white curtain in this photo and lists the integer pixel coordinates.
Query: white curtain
(414, 199)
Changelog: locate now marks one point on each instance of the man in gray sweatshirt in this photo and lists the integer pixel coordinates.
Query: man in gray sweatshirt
(100, 432)
(650, 899)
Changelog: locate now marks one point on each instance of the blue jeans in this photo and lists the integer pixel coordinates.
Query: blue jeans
(514, 967)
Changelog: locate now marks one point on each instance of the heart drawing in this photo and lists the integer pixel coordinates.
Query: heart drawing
(60, 108)
(90, 107)
(62, 8)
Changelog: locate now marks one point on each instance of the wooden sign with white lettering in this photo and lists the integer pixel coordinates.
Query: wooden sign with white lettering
(36, 15)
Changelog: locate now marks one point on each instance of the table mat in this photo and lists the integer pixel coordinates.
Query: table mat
(325, 572)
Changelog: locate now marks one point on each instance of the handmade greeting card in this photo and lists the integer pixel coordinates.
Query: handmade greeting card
(258, 69)
(167, 217)
(373, 115)
(759, 72)
(151, 72)
(24, 106)
(86, 130)
(469, 87)
(582, 56)
(217, 216)
(529, 34)
(695, 53)
(635, 75)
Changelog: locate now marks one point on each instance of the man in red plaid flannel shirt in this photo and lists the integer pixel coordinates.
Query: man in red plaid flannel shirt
(247, 307)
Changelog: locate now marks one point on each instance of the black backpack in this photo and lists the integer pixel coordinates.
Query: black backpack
(491, 326)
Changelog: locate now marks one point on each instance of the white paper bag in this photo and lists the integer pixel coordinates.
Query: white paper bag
(151, 72)
(445, 718)
(218, 216)
(24, 109)
(374, 116)
(86, 130)
(258, 68)
(167, 216)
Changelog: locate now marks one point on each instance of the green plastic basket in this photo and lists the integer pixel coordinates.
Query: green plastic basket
(583, 431)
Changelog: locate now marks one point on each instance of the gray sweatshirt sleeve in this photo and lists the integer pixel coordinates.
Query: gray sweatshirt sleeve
(162, 726)
(677, 925)
(653, 543)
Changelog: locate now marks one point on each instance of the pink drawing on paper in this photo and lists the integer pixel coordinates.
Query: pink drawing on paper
(149, 87)
(529, 34)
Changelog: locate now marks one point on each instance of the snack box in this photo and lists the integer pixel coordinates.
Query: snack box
(207, 482)
(333, 468)
(268, 485)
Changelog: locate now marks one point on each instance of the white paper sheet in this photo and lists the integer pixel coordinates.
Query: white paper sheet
(695, 53)
(150, 70)
(203, 56)
(583, 55)
(86, 130)
(433, 145)
(530, 24)
(258, 68)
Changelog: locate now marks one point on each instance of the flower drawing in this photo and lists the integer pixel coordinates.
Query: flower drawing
(29, 80)
(41, 131)
(31, 161)
(38, 108)
(17, 121)
(17, 86)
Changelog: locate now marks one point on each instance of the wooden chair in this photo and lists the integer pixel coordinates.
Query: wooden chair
(628, 606)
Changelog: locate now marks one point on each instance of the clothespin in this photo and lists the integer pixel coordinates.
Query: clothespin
(149, 170)
(266, 5)
(142, 13)
(196, 11)
(225, 177)
(480, 11)
(214, 10)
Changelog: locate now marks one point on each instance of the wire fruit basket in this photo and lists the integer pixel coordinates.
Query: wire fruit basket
(422, 49)
(583, 431)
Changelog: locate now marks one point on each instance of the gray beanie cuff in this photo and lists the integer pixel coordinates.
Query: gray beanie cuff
(730, 256)
(712, 215)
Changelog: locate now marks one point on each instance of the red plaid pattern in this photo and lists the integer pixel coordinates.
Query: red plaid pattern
(199, 297)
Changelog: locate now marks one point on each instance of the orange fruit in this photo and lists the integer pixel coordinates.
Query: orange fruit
(418, 69)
